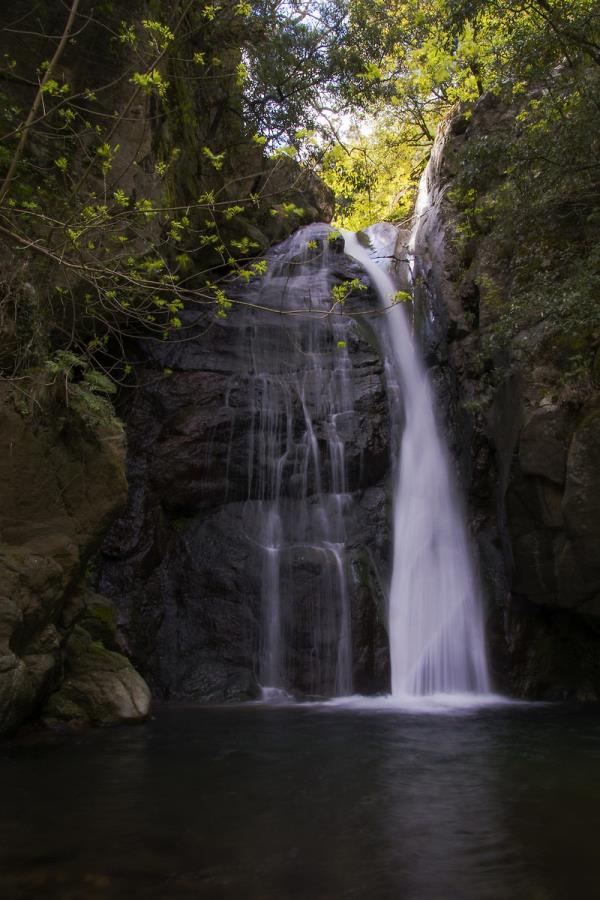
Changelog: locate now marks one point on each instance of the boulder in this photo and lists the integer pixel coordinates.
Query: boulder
(100, 687)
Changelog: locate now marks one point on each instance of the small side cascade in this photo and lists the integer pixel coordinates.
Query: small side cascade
(301, 405)
(437, 642)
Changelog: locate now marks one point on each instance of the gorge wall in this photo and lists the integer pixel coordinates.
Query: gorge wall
(524, 423)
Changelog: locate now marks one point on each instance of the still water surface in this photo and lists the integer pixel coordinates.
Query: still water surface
(308, 803)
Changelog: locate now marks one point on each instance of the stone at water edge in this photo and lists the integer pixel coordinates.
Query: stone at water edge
(101, 687)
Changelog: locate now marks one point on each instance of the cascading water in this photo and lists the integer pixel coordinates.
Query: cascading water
(301, 404)
(436, 632)
(261, 549)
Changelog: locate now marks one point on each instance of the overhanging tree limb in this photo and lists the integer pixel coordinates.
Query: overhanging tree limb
(38, 99)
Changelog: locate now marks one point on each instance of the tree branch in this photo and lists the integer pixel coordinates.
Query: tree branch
(37, 101)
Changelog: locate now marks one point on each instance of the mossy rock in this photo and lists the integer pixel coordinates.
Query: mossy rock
(100, 620)
(101, 687)
(84, 655)
(106, 698)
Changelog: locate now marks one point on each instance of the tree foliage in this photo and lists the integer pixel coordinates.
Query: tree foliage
(139, 146)
(408, 63)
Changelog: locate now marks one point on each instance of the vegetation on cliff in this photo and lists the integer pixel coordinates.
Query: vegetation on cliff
(144, 159)
(415, 61)
(527, 186)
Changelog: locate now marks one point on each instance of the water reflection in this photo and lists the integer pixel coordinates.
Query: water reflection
(444, 825)
(308, 803)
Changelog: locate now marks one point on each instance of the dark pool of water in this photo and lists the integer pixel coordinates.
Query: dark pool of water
(267, 803)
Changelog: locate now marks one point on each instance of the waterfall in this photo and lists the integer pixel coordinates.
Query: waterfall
(436, 631)
(301, 407)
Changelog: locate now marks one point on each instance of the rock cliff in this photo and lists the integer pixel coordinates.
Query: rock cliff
(182, 563)
(524, 425)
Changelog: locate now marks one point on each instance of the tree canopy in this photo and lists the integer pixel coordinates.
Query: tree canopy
(408, 63)
(138, 141)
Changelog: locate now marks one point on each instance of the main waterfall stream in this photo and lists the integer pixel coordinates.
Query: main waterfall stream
(437, 643)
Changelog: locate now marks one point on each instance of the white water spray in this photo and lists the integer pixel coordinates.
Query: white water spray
(437, 643)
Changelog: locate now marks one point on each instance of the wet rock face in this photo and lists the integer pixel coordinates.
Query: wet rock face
(186, 562)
